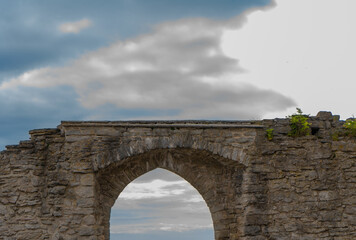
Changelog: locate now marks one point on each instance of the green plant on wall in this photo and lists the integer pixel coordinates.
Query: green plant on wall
(335, 136)
(350, 126)
(269, 133)
(299, 124)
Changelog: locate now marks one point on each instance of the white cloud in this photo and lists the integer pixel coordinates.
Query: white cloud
(304, 49)
(152, 204)
(158, 185)
(155, 189)
(146, 228)
(179, 66)
(74, 27)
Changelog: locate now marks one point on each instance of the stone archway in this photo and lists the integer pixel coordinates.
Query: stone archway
(62, 183)
(218, 180)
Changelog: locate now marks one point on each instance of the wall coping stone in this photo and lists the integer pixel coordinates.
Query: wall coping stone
(162, 124)
(44, 131)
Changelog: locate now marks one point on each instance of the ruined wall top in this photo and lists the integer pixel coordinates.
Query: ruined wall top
(323, 125)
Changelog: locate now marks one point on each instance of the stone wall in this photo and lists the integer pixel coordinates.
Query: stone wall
(310, 182)
(62, 183)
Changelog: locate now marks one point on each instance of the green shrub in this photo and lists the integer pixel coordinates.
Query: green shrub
(335, 136)
(299, 124)
(350, 126)
(269, 134)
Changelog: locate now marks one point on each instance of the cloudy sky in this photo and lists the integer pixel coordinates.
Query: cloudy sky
(159, 59)
(160, 205)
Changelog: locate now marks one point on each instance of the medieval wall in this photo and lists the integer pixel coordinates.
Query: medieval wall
(62, 183)
(309, 181)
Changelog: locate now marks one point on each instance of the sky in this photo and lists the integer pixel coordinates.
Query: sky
(159, 59)
(160, 205)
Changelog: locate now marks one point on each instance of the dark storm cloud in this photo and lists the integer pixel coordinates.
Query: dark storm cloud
(30, 37)
(180, 66)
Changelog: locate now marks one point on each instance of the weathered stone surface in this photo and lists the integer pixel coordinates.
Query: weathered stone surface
(62, 183)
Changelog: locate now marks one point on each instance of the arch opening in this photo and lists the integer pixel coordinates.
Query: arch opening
(216, 179)
(160, 205)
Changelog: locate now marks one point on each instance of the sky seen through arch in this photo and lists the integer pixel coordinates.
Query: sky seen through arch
(160, 205)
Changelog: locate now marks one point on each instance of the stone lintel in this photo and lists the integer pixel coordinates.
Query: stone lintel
(163, 124)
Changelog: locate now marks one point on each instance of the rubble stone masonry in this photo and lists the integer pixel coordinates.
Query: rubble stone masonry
(62, 183)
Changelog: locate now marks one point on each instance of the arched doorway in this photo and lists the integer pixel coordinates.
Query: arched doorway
(217, 179)
(160, 205)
